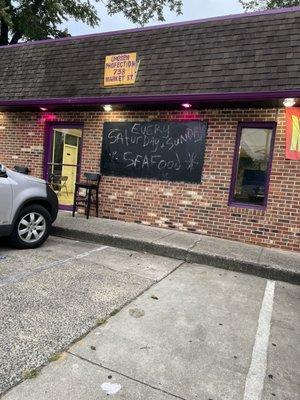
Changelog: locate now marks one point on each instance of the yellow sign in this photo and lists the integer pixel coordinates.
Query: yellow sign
(292, 148)
(120, 69)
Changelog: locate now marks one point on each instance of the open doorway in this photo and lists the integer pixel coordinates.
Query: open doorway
(63, 159)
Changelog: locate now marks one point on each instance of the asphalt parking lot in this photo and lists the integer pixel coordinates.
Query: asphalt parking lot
(173, 330)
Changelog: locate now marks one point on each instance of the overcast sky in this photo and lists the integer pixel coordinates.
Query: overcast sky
(192, 9)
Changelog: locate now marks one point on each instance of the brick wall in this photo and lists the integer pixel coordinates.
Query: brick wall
(200, 208)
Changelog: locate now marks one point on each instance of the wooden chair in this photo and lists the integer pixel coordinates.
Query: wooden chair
(58, 183)
(22, 169)
(91, 197)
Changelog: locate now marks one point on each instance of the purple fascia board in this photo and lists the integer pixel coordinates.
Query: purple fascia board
(155, 27)
(152, 99)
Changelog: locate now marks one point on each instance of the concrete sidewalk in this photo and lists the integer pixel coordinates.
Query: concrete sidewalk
(199, 333)
(190, 247)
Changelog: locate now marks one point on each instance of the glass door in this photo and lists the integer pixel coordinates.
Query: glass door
(63, 163)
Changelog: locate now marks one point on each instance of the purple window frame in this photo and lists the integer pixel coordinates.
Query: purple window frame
(241, 126)
(49, 126)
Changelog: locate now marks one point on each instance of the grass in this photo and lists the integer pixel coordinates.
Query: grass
(101, 321)
(55, 357)
(30, 374)
(114, 312)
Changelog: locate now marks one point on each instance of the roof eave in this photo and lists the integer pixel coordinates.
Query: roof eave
(220, 18)
(153, 99)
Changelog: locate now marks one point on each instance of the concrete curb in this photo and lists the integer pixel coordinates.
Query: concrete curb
(262, 270)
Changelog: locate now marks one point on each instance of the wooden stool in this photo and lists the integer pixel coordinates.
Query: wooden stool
(91, 187)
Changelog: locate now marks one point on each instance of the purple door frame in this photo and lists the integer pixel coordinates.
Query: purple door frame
(263, 125)
(48, 142)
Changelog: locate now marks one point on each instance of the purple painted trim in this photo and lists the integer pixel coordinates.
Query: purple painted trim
(155, 27)
(49, 127)
(152, 99)
(65, 208)
(47, 148)
(236, 204)
(241, 125)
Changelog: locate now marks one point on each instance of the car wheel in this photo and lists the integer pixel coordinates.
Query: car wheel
(32, 227)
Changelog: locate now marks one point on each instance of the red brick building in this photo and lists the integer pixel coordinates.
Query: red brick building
(224, 80)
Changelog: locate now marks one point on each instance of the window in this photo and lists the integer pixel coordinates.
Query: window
(252, 164)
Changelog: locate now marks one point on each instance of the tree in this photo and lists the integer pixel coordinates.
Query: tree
(41, 19)
(250, 5)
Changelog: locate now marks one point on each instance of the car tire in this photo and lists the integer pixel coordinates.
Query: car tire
(31, 228)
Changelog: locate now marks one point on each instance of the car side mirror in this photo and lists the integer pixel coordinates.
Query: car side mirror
(3, 172)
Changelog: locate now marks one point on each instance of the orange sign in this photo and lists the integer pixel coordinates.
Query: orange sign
(120, 69)
(292, 150)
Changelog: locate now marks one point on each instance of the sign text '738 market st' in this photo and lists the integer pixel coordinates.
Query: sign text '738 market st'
(120, 69)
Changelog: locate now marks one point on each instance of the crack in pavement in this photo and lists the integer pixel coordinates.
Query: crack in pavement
(128, 377)
(260, 255)
(11, 279)
(192, 246)
(162, 237)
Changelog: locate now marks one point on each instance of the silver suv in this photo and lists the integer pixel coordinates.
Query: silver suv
(28, 206)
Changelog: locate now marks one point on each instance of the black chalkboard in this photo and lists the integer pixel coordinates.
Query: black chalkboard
(172, 151)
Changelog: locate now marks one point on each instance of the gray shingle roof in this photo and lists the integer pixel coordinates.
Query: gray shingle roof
(246, 54)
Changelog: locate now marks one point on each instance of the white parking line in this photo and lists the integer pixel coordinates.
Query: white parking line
(257, 371)
(9, 280)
